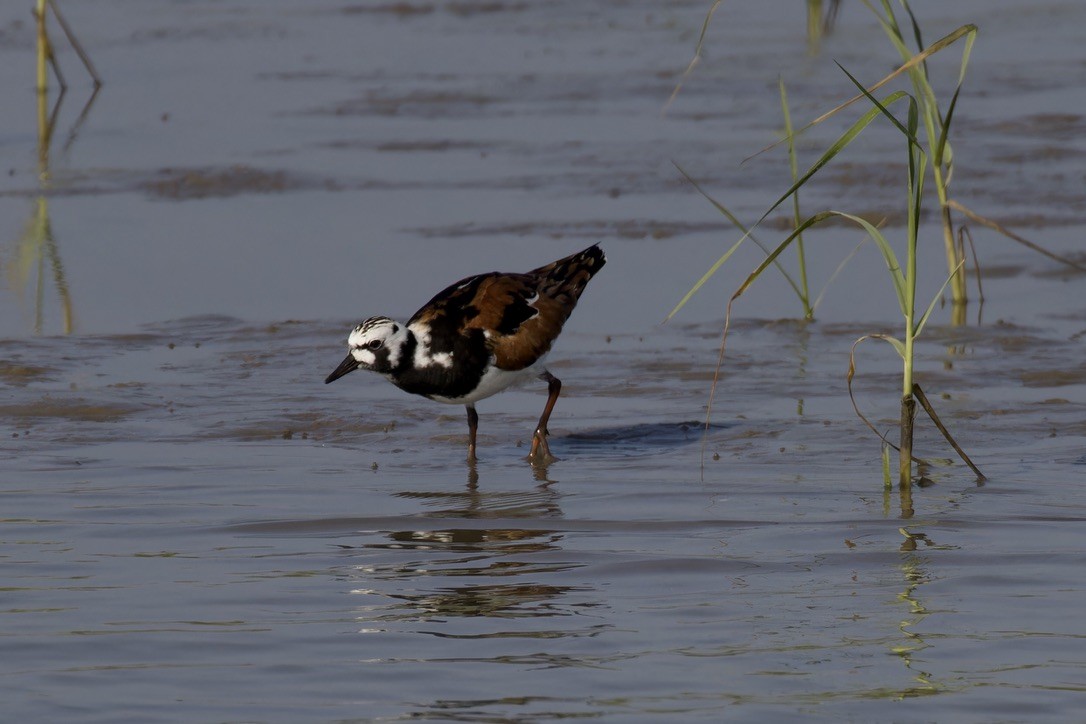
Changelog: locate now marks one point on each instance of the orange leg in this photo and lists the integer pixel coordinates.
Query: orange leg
(541, 451)
(473, 427)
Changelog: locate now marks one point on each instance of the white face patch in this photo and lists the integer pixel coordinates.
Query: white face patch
(394, 349)
(363, 356)
(423, 358)
(382, 332)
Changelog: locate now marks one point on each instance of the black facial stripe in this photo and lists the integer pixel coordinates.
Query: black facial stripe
(407, 353)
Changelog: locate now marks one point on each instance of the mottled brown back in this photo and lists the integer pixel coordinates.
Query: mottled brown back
(520, 329)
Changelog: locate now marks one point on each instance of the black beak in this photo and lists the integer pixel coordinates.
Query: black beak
(348, 365)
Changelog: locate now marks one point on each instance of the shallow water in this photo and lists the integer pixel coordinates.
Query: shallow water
(195, 528)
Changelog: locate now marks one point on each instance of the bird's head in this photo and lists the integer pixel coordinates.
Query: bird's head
(376, 344)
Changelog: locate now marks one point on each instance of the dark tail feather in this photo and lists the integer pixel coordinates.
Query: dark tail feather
(569, 276)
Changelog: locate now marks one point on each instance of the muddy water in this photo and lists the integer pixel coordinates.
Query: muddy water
(195, 528)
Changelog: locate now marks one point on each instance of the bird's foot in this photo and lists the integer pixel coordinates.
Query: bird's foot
(540, 453)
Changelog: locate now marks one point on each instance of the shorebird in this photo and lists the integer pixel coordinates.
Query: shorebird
(477, 337)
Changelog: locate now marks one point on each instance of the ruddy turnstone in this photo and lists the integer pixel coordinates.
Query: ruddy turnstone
(477, 337)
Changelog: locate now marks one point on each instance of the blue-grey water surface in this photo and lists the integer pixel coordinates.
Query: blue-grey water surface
(196, 528)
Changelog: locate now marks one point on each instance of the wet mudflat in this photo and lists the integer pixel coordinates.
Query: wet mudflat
(194, 527)
(181, 544)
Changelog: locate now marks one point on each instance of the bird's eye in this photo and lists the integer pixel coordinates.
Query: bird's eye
(374, 344)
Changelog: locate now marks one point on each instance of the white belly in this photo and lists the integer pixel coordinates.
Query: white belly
(494, 380)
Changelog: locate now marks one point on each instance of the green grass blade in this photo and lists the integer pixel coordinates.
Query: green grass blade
(884, 247)
(917, 164)
(747, 234)
(917, 36)
(788, 135)
(935, 300)
(817, 218)
(944, 130)
(970, 39)
(890, 27)
(911, 63)
(793, 164)
(888, 256)
(945, 125)
(697, 56)
(836, 273)
(894, 342)
(705, 277)
(716, 204)
(911, 135)
(897, 344)
(842, 142)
